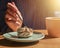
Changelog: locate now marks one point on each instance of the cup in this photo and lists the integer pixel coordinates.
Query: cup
(53, 26)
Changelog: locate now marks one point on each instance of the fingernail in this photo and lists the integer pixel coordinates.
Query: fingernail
(9, 18)
(17, 22)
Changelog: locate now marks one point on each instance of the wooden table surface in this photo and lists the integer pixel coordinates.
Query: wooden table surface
(47, 42)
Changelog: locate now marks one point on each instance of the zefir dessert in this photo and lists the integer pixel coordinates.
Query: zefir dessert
(25, 32)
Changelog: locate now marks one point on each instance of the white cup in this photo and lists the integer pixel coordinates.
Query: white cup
(53, 26)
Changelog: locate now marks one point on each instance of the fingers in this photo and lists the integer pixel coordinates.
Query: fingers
(12, 7)
(13, 3)
(12, 18)
(12, 13)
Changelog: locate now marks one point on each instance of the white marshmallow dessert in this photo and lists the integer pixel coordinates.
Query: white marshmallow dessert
(25, 32)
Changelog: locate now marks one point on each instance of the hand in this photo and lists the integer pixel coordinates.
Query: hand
(12, 17)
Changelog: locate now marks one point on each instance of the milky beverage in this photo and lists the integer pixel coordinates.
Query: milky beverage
(53, 26)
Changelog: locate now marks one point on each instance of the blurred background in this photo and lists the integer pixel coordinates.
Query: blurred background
(34, 12)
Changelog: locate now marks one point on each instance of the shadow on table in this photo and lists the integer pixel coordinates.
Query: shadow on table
(4, 42)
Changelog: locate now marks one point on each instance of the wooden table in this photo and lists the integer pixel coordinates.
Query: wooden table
(47, 42)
